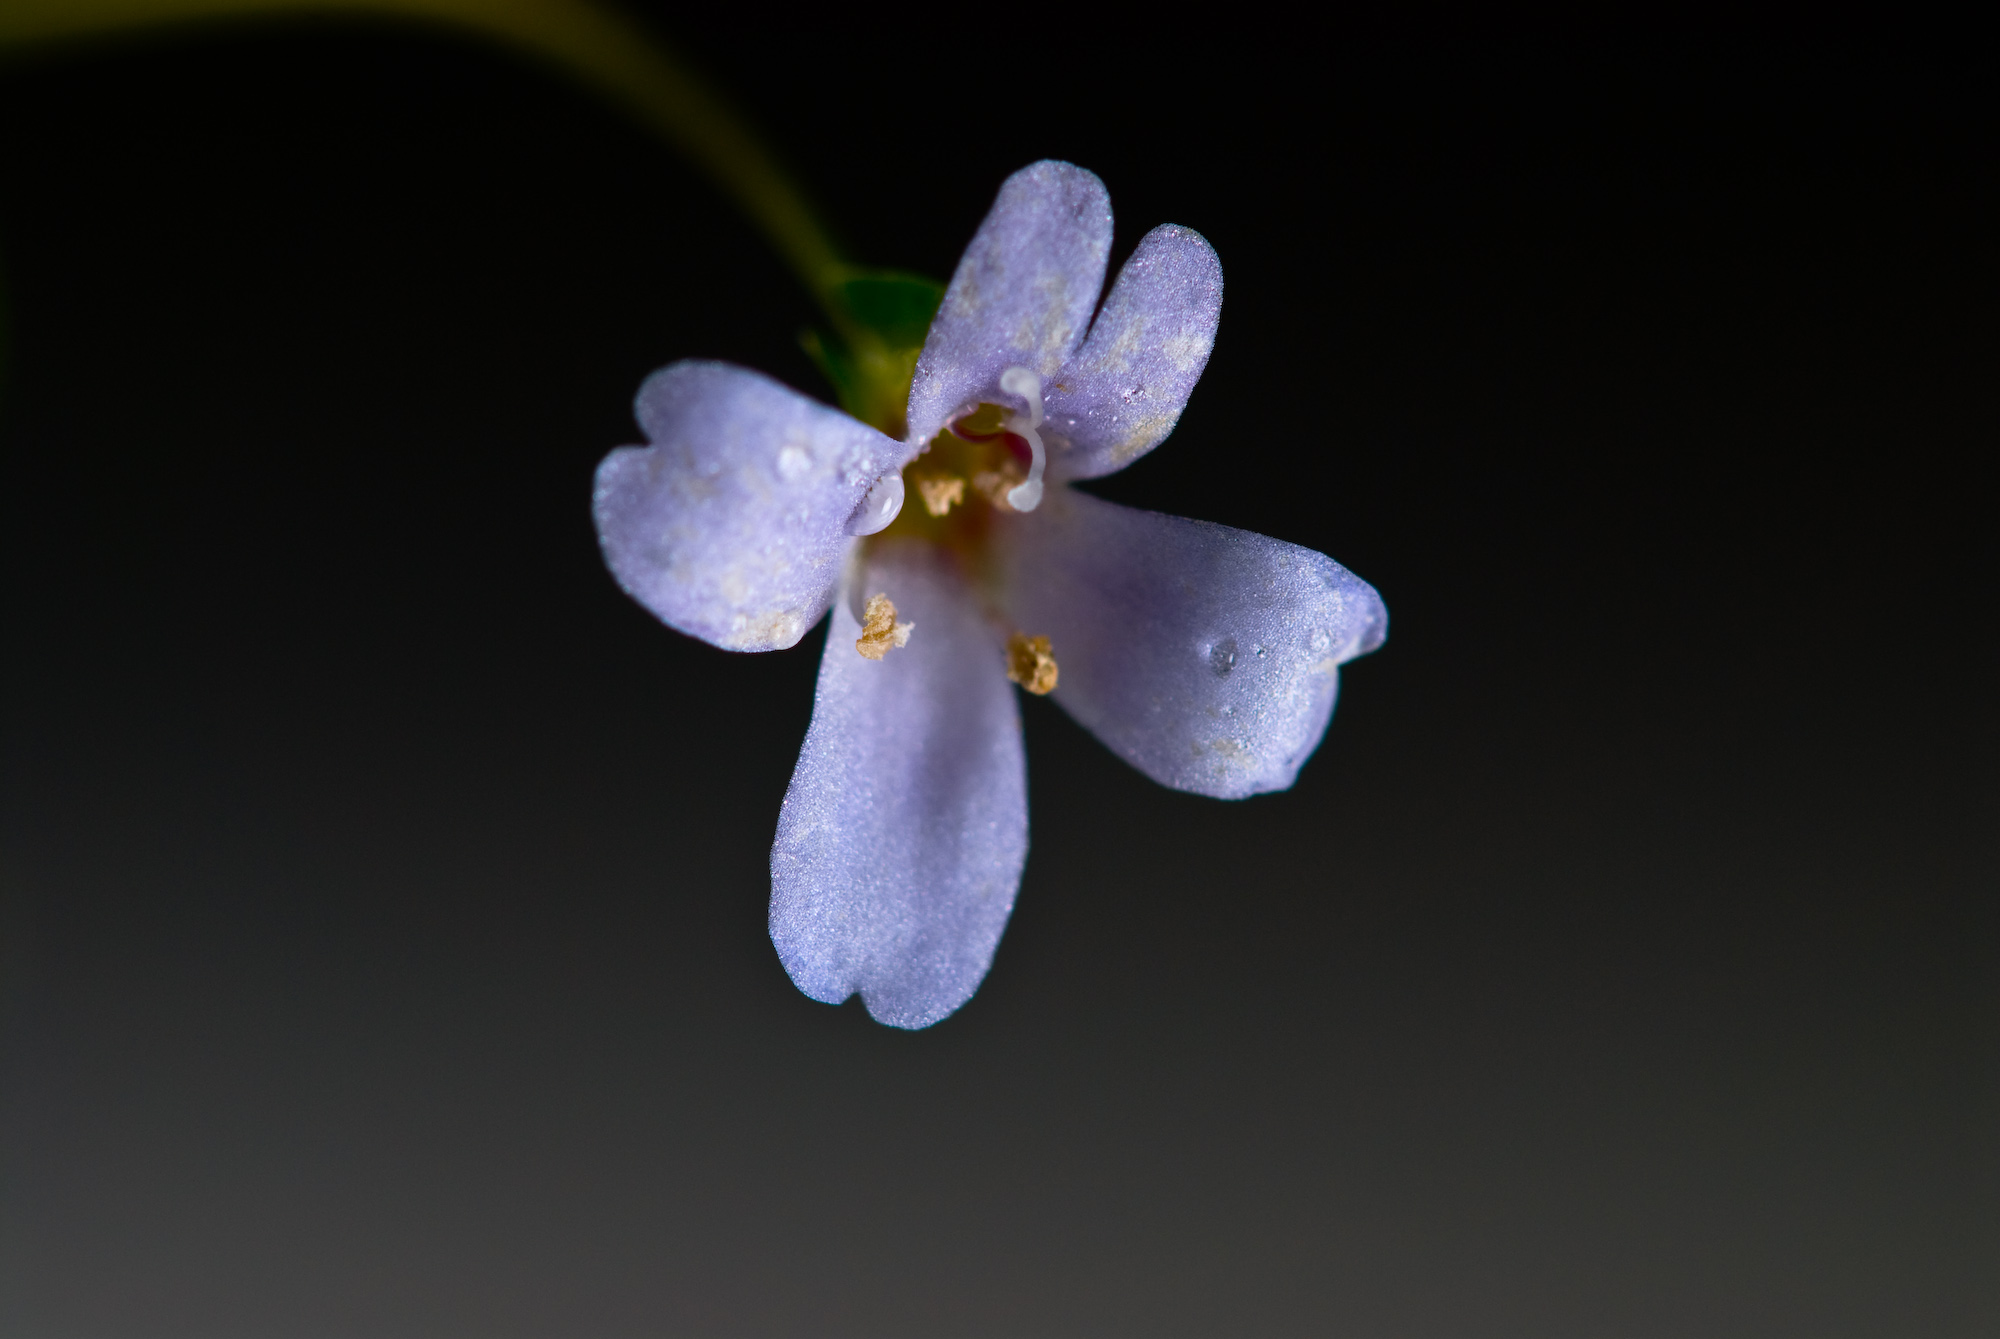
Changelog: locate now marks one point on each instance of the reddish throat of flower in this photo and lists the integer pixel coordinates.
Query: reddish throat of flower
(982, 471)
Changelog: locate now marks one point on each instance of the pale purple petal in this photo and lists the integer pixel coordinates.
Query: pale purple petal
(903, 834)
(1204, 656)
(1124, 390)
(733, 525)
(1022, 294)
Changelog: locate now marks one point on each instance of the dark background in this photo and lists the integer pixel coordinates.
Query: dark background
(384, 929)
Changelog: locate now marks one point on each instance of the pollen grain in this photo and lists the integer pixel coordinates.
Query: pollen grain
(940, 491)
(881, 632)
(1030, 664)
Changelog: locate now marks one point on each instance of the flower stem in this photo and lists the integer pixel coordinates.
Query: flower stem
(603, 48)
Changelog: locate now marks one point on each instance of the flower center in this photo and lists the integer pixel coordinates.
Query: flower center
(985, 464)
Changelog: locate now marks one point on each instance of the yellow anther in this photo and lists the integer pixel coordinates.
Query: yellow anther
(940, 491)
(881, 631)
(1030, 664)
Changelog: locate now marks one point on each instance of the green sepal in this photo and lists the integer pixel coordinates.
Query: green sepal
(895, 307)
(881, 318)
(830, 356)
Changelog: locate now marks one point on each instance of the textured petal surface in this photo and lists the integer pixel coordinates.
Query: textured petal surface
(1124, 390)
(1022, 294)
(903, 834)
(1202, 655)
(732, 525)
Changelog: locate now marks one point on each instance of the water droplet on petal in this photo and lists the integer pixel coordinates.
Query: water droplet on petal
(1222, 657)
(881, 506)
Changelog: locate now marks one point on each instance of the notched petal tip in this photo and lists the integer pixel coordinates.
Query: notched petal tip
(1022, 294)
(1205, 656)
(1125, 389)
(733, 525)
(1374, 621)
(905, 828)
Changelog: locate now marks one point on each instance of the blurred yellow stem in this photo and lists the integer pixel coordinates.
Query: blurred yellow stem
(594, 43)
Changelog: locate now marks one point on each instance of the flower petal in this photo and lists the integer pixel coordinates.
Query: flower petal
(1124, 390)
(1022, 294)
(732, 525)
(903, 834)
(1202, 655)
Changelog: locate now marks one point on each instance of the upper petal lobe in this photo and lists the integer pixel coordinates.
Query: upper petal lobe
(1124, 390)
(1204, 656)
(1022, 294)
(731, 526)
(904, 831)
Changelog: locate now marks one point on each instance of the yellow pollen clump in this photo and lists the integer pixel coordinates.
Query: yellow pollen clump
(881, 631)
(1030, 664)
(940, 491)
(963, 481)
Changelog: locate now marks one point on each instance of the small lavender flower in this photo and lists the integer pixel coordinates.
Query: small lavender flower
(1207, 657)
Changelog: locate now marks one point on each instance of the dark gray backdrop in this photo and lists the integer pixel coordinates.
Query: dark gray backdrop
(384, 926)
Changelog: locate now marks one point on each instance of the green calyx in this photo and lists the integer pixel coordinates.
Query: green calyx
(880, 318)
